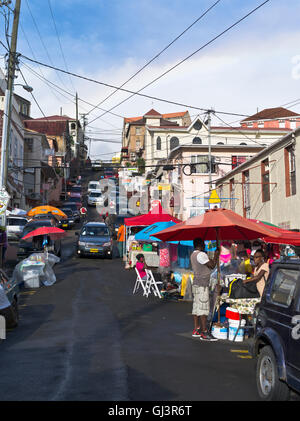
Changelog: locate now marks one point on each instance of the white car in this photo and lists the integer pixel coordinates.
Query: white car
(93, 185)
(95, 197)
(14, 226)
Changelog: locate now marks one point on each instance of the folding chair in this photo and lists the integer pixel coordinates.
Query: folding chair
(152, 285)
(141, 282)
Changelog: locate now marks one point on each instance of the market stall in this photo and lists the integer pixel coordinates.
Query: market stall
(220, 225)
(136, 223)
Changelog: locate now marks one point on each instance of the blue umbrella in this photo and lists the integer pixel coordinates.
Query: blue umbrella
(147, 233)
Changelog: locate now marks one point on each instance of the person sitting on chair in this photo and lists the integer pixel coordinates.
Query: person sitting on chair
(141, 266)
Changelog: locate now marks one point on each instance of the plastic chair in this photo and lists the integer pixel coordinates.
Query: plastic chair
(144, 283)
(152, 285)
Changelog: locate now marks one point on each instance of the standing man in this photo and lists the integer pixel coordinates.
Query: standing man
(121, 239)
(202, 267)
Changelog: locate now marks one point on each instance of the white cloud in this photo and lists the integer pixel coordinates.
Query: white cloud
(247, 74)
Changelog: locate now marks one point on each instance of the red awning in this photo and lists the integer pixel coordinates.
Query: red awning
(157, 214)
(285, 236)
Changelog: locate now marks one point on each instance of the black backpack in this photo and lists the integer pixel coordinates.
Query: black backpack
(237, 289)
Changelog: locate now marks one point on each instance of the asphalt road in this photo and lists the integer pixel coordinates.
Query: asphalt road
(88, 338)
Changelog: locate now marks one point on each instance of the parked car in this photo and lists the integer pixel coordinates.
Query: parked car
(75, 191)
(77, 201)
(93, 185)
(54, 219)
(95, 197)
(276, 344)
(11, 289)
(74, 209)
(26, 247)
(94, 239)
(69, 222)
(14, 226)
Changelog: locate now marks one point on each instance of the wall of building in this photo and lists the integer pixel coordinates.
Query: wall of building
(281, 209)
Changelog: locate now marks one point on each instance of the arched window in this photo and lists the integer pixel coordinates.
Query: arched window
(197, 141)
(220, 143)
(73, 126)
(158, 143)
(174, 142)
(197, 125)
(243, 144)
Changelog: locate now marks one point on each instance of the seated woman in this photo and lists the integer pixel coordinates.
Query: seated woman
(141, 266)
(260, 273)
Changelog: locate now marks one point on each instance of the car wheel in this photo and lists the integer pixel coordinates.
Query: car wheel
(269, 387)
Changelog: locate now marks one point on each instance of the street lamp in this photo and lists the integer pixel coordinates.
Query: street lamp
(26, 87)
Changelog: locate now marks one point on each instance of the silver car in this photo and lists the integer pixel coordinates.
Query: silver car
(15, 225)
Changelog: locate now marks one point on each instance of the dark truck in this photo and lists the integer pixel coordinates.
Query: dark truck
(276, 342)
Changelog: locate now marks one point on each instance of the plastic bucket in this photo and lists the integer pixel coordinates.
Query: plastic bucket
(232, 313)
(233, 327)
(219, 332)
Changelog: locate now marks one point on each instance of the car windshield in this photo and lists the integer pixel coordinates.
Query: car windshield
(75, 199)
(94, 231)
(67, 211)
(72, 206)
(30, 227)
(95, 194)
(17, 221)
(76, 189)
(93, 186)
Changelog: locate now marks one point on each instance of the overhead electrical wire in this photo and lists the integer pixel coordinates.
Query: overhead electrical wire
(159, 54)
(188, 57)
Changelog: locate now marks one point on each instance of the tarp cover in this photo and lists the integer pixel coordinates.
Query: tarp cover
(157, 214)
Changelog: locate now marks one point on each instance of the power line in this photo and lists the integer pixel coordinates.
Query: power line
(188, 57)
(159, 54)
(59, 42)
(128, 91)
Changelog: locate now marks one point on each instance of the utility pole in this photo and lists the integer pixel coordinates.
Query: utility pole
(11, 67)
(209, 147)
(77, 154)
(12, 60)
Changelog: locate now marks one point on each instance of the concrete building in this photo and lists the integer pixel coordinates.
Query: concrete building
(16, 148)
(40, 179)
(267, 186)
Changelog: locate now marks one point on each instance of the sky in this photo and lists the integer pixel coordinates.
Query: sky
(253, 66)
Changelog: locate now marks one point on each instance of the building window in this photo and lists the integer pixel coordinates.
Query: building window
(197, 141)
(290, 171)
(246, 194)
(243, 144)
(158, 143)
(281, 124)
(138, 130)
(232, 194)
(201, 164)
(73, 126)
(220, 143)
(237, 160)
(265, 180)
(29, 143)
(137, 144)
(174, 142)
(197, 125)
(260, 124)
(293, 124)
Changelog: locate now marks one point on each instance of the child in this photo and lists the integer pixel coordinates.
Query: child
(141, 266)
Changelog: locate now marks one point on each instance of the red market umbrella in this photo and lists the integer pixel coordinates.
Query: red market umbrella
(283, 236)
(53, 232)
(217, 224)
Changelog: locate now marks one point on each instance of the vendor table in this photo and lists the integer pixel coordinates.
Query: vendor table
(245, 306)
(151, 257)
